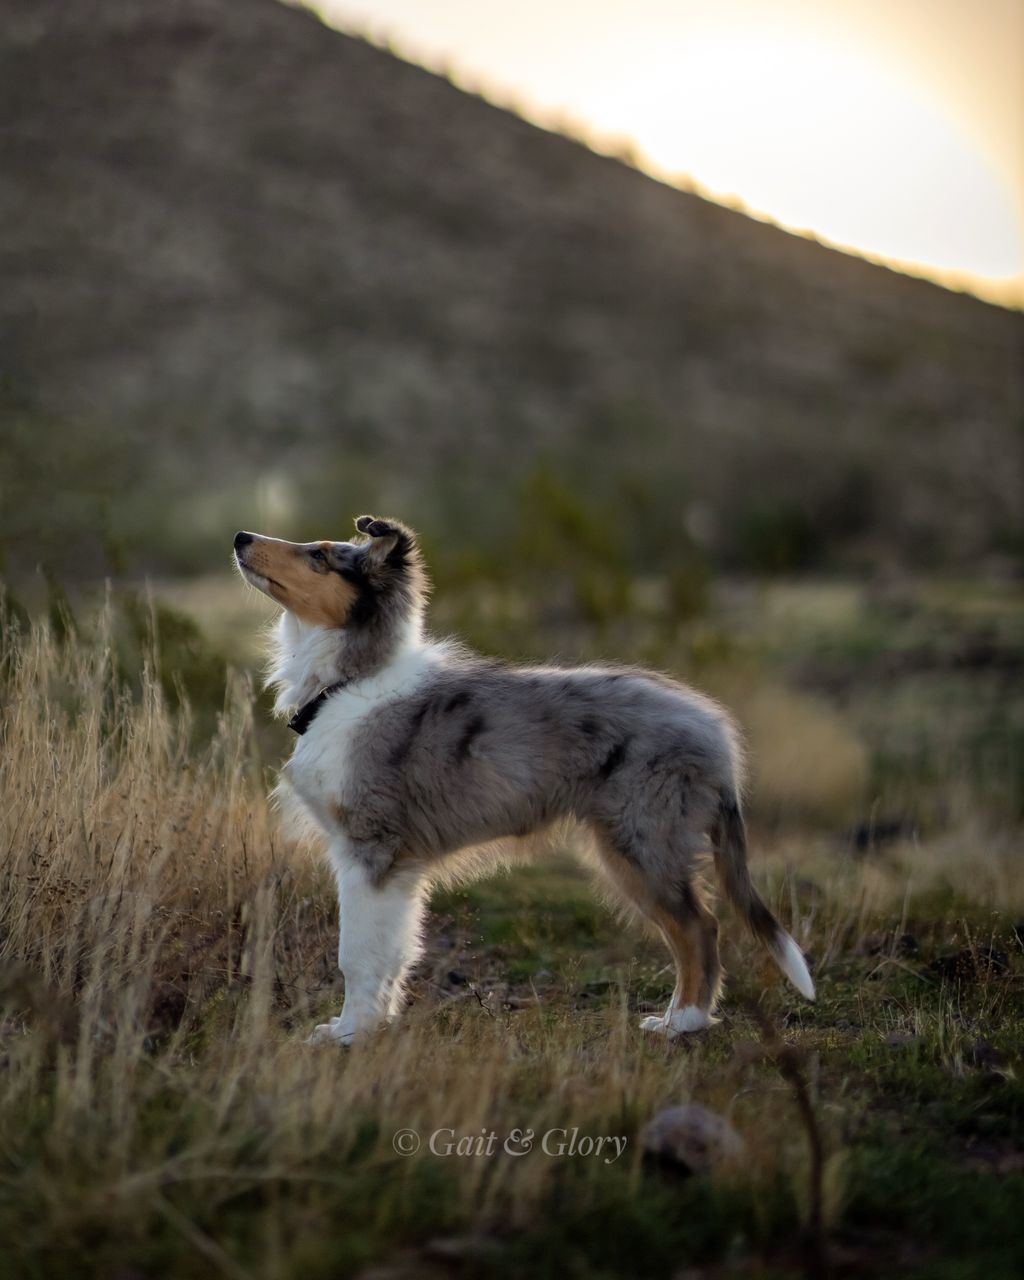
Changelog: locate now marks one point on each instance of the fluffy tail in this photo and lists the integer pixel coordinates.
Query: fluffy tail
(730, 841)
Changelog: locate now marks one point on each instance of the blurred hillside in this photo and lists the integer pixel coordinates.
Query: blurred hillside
(258, 272)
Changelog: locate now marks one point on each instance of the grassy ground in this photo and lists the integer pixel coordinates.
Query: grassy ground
(163, 952)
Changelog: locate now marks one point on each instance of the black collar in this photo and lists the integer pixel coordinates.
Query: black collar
(307, 713)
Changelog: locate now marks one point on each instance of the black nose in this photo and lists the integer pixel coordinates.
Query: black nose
(242, 540)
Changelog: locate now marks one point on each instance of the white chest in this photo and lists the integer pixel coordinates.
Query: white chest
(324, 761)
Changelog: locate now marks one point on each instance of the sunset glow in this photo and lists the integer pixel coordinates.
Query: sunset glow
(829, 118)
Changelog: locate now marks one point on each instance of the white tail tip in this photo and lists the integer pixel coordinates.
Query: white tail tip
(790, 960)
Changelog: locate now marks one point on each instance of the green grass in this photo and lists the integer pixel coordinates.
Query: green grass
(164, 950)
(915, 1130)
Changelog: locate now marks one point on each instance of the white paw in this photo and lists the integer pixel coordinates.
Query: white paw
(678, 1022)
(690, 1018)
(331, 1033)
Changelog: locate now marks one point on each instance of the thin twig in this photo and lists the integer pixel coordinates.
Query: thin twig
(790, 1061)
(480, 1000)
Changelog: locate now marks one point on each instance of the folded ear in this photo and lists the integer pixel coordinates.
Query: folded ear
(384, 537)
(376, 528)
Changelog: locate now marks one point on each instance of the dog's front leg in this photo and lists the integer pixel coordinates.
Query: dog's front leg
(378, 940)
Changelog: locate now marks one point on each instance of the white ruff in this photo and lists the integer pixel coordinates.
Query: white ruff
(319, 767)
(305, 658)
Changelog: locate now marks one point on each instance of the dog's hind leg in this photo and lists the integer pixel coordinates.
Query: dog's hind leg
(678, 910)
(378, 940)
(691, 931)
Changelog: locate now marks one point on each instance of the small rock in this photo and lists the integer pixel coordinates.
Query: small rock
(691, 1137)
(899, 1040)
(459, 1249)
(988, 1058)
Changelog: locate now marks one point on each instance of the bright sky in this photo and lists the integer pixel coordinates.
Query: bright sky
(893, 127)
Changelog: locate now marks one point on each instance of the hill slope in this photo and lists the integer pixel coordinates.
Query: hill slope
(242, 242)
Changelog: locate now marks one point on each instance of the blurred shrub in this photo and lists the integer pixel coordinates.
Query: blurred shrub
(994, 755)
(819, 528)
(13, 613)
(58, 506)
(807, 763)
(190, 670)
(777, 538)
(143, 635)
(559, 527)
(601, 596)
(689, 584)
(598, 540)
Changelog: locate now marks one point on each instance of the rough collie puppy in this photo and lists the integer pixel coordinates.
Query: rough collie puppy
(413, 752)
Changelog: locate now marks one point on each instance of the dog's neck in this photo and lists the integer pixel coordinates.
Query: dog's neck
(306, 659)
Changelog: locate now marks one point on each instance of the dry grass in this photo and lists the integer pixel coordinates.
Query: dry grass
(163, 953)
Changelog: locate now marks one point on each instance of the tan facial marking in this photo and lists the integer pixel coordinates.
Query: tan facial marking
(319, 598)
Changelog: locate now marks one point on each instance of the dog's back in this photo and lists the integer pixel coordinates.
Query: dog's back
(478, 751)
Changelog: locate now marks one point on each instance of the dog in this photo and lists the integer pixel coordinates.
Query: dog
(420, 760)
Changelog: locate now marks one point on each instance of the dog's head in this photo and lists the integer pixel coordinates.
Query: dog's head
(336, 584)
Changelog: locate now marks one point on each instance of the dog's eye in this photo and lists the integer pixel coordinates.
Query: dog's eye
(320, 555)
